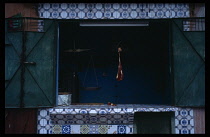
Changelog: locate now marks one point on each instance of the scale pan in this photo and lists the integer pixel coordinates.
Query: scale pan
(91, 88)
(76, 50)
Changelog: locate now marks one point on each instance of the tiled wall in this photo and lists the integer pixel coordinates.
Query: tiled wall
(103, 119)
(113, 10)
(184, 121)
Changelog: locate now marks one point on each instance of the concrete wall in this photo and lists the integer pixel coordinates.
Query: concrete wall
(199, 119)
(26, 9)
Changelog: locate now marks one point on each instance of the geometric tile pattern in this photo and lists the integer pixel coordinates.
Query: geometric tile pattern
(113, 10)
(92, 129)
(66, 129)
(121, 129)
(84, 129)
(57, 129)
(43, 121)
(104, 119)
(59, 120)
(103, 129)
(184, 122)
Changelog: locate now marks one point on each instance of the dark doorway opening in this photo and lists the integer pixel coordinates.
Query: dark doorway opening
(145, 62)
(154, 122)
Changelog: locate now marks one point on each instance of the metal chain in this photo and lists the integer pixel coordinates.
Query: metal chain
(91, 60)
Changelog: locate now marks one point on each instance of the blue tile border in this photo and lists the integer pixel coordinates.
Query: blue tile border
(91, 129)
(113, 10)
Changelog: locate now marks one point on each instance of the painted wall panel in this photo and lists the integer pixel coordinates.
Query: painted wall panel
(199, 120)
(20, 121)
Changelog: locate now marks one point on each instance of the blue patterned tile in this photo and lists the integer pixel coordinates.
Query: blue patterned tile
(121, 129)
(64, 6)
(66, 129)
(93, 129)
(184, 131)
(64, 14)
(184, 122)
(102, 111)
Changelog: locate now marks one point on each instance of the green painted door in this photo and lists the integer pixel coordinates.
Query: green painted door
(13, 43)
(188, 65)
(30, 82)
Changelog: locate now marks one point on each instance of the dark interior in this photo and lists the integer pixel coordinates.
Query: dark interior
(154, 123)
(144, 57)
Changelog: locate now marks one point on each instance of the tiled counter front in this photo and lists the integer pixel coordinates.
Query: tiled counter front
(104, 119)
(91, 129)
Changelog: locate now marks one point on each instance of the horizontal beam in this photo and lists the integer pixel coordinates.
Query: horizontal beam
(112, 24)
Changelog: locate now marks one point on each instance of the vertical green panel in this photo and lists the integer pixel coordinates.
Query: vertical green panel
(198, 41)
(34, 95)
(189, 73)
(40, 78)
(12, 63)
(33, 40)
(13, 49)
(12, 92)
(15, 39)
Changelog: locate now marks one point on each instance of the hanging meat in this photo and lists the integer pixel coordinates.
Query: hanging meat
(119, 76)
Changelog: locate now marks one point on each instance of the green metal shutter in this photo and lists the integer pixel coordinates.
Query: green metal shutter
(13, 43)
(188, 65)
(39, 86)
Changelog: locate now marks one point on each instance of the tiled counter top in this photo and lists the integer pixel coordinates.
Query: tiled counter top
(108, 109)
